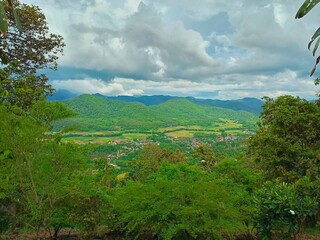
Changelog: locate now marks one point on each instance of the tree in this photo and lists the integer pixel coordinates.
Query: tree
(287, 142)
(150, 158)
(34, 48)
(178, 203)
(282, 209)
(23, 89)
(23, 53)
(205, 156)
(39, 175)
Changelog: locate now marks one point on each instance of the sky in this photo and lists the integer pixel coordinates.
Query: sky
(218, 49)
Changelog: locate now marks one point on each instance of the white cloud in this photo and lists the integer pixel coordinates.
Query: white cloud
(233, 86)
(92, 86)
(164, 41)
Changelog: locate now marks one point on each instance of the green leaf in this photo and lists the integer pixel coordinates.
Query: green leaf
(16, 16)
(3, 20)
(316, 47)
(314, 37)
(306, 7)
(315, 66)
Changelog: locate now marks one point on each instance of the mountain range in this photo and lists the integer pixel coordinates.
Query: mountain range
(251, 105)
(99, 113)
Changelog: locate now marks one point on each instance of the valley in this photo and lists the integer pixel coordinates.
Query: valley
(118, 130)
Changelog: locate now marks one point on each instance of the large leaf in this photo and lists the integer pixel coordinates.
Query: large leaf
(3, 20)
(16, 16)
(314, 37)
(316, 47)
(306, 7)
(315, 66)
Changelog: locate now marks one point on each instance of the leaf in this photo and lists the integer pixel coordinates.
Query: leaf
(315, 66)
(306, 7)
(3, 56)
(316, 47)
(3, 21)
(314, 37)
(16, 16)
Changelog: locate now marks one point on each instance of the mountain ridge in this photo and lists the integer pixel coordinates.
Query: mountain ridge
(252, 105)
(97, 113)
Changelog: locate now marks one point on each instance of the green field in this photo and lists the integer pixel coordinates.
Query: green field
(229, 127)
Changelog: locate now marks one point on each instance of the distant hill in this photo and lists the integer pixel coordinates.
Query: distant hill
(251, 105)
(98, 113)
(146, 100)
(61, 95)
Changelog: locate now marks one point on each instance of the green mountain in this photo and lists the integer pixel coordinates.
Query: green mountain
(146, 100)
(252, 105)
(98, 113)
(61, 94)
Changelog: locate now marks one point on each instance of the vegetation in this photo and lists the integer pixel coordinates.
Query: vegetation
(287, 142)
(251, 105)
(4, 17)
(306, 7)
(22, 53)
(101, 114)
(161, 187)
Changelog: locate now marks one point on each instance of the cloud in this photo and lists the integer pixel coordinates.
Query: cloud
(230, 48)
(92, 86)
(233, 86)
(144, 45)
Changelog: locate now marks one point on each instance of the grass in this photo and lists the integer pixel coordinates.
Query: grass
(180, 134)
(135, 136)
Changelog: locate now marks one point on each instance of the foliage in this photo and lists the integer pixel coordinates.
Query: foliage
(286, 146)
(101, 114)
(178, 204)
(34, 48)
(288, 140)
(40, 174)
(22, 89)
(4, 18)
(150, 158)
(241, 172)
(204, 156)
(303, 10)
(282, 210)
(23, 53)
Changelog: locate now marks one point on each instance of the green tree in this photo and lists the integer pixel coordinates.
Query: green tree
(204, 156)
(23, 89)
(286, 146)
(178, 202)
(288, 140)
(39, 173)
(282, 209)
(150, 158)
(34, 48)
(23, 53)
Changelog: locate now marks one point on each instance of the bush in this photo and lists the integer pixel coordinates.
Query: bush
(282, 210)
(182, 207)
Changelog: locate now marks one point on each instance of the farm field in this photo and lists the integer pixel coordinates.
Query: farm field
(226, 127)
